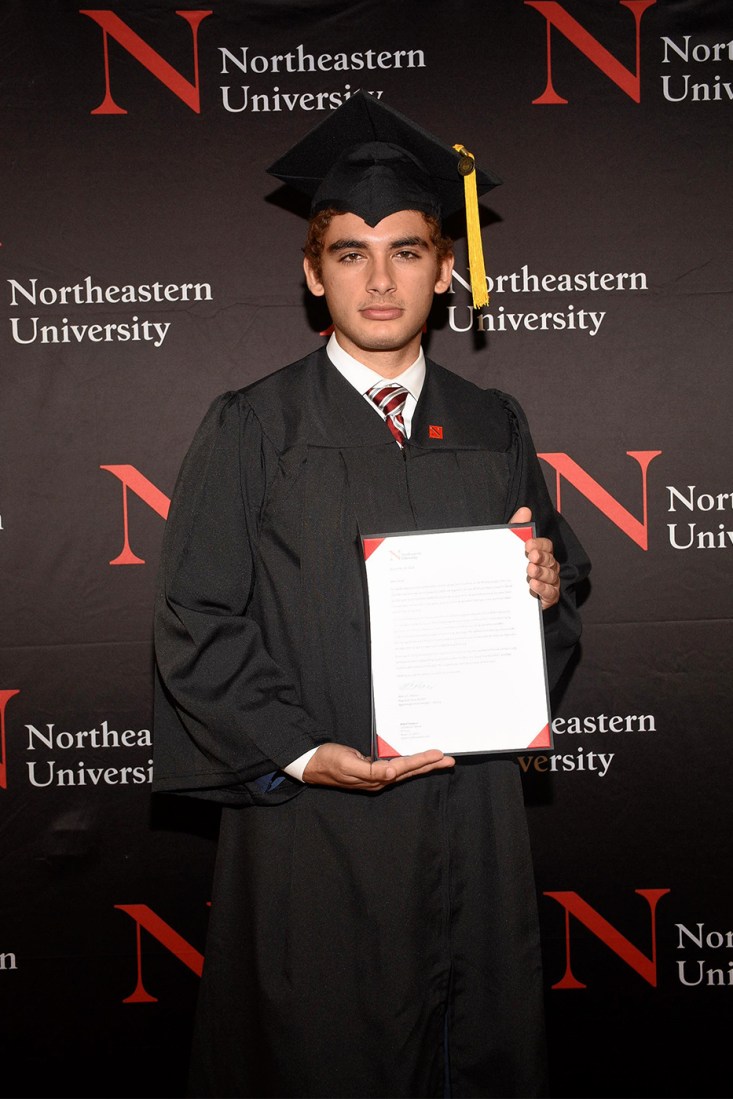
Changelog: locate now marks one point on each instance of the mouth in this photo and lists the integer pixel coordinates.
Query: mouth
(381, 312)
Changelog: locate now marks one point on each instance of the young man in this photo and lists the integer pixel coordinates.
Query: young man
(373, 929)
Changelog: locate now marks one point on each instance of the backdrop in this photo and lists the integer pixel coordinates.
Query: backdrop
(149, 263)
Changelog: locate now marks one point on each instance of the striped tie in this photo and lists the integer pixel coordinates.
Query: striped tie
(390, 399)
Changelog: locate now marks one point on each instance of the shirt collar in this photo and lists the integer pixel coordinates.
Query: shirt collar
(363, 378)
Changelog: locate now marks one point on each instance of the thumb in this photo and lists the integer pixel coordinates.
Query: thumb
(521, 515)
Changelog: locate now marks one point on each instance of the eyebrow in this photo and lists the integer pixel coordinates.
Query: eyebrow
(403, 242)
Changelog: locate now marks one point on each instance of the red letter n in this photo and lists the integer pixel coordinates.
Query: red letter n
(607, 933)
(132, 479)
(144, 917)
(5, 697)
(113, 27)
(564, 466)
(556, 16)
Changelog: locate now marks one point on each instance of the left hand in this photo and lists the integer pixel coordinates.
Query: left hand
(543, 571)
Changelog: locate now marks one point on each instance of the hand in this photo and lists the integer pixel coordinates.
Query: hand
(338, 765)
(543, 571)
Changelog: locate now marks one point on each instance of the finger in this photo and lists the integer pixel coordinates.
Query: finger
(547, 570)
(373, 774)
(539, 550)
(548, 594)
(546, 573)
(443, 764)
(521, 515)
(401, 767)
(366, 773)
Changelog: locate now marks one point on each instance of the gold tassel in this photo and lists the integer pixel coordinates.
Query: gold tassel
(476, 269)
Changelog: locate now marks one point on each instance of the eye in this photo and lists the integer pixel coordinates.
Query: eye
(407, 254)
(350, 257)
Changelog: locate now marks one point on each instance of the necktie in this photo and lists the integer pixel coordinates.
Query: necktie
(391, 400)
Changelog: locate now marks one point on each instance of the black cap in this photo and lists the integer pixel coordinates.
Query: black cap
(368, 159)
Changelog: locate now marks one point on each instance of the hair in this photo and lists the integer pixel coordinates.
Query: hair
(319, 223)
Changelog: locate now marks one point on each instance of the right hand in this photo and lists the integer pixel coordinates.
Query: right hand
(338, 765)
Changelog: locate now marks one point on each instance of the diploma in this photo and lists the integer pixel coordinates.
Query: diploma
(456, 643)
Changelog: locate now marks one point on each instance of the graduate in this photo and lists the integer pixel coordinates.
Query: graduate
(373, 928)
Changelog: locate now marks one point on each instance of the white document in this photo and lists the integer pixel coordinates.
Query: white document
(457, 649)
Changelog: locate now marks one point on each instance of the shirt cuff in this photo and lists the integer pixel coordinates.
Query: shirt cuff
(296, 768)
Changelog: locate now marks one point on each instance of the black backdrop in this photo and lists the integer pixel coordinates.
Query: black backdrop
(149, 263)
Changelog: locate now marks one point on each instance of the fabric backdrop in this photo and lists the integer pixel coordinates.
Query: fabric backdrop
(149, 263)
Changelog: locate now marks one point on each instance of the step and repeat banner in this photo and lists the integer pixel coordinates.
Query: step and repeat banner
(148, 263)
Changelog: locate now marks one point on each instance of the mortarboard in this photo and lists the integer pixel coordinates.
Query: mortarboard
(370, 160)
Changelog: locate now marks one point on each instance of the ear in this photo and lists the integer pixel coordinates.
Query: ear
(445, 270)
(314, 283)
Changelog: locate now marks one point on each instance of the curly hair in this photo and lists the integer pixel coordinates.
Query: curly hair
(319, 223)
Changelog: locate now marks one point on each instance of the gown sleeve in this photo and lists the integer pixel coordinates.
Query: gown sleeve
(562, 625)
(227, 718)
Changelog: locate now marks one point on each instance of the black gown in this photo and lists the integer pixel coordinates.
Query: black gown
(359, 944)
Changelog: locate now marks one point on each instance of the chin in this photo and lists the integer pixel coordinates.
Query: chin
(386, 341)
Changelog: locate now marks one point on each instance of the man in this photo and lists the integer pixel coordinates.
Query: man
(373, 929)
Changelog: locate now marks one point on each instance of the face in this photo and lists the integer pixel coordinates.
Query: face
(379, 285)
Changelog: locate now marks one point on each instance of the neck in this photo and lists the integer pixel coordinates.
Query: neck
(387, 362)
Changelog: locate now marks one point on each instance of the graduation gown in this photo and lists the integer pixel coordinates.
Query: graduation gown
(359, 944)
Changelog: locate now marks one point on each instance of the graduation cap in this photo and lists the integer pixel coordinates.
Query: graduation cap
(368, 159)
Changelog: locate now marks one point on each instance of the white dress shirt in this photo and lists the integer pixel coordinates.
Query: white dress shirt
(363, 378)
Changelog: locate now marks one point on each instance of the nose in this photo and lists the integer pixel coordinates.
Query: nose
(380, 276)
